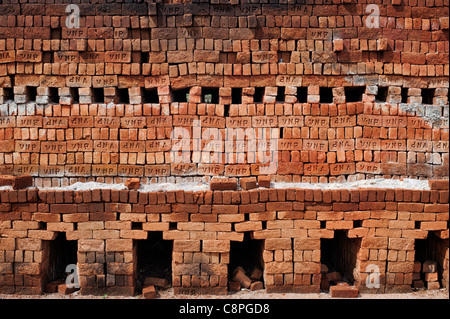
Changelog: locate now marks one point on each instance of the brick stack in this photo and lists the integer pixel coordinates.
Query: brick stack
(202, 225)
(341, 100)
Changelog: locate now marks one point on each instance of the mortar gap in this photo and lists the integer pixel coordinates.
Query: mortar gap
(136, 225)
(172, 226)
(357, 223)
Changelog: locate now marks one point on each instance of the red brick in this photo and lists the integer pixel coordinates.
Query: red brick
(344, 291)
(6, 180)
(223, 184)
(149, 292)
(248, 183)
(22, 181)
(133, 183)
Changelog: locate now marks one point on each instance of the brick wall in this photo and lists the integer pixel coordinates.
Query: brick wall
(340, 99)
(381, 225)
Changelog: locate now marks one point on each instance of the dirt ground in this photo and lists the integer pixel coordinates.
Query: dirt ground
(246, 294)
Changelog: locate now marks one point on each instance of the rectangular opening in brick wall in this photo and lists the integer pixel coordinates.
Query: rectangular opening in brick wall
(326, 95)
(427, 96)
(74, 94)
(153, 259)
(53, 95)
(180, 95)
(354, 94)
(31, 92)
(430, 259)
(280, 94)
(98, 95)
(236, 95)
(123, 95)
(150, 95)
(144, 57)
(246, 261)
(259, 94)
(57, 255)
(302, 94)
(338, 257)
(210, 95)
(8, 94)
(404, 93)
(382, 94)
(226, 110)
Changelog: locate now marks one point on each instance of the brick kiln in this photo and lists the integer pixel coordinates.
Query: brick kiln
(220, 104)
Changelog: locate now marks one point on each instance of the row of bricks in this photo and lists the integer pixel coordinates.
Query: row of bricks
(196, 118)
(163, 84)
(407, 18)
(44, 182)
(79, 74)
(211, 7)
(437, 188)
(395, 229)
(190, 51)
(204, 251)
(305, 172)
(309, 165)
(296, 256)
(260, 51)
(372, 114)
(417, 139)
(161, 140)
(186, 73)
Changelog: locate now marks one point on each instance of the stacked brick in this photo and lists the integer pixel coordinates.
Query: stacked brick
(341, 99)
(292, 223)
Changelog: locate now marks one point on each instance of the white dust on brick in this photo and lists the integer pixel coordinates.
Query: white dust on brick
(414, 184)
